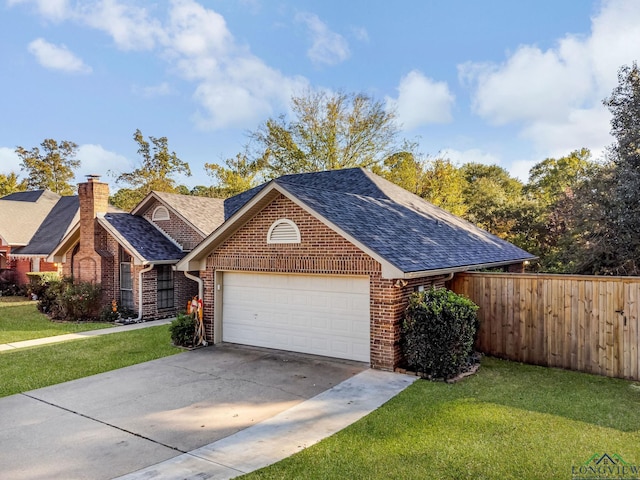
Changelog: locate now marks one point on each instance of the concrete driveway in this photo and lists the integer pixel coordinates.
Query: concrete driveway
(111, 424)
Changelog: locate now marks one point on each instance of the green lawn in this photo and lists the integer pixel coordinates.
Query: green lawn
(31, 368)
(510, 421)
(21, 320)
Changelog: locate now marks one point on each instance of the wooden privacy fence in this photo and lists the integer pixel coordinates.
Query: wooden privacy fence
(583, 323)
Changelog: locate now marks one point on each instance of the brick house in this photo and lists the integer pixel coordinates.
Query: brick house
(324, 263)
(31, 225)
(133, 255)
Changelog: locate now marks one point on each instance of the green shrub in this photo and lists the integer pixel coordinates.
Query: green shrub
(183, 330)
(39, 281)
(65, 300)
(438, 333)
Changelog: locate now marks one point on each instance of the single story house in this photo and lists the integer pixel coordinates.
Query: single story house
(32, 223)
(324, 263)
(133, 255)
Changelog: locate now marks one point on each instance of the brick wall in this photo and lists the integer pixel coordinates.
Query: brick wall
(321, 251)
(94, 199)
(175, 227)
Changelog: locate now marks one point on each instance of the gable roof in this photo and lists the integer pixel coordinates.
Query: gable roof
(406, 234)
(53, 228)
(22, 214)
(141, 238)
(205, 214)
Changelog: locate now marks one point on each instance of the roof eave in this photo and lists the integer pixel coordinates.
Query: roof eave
(463, 268)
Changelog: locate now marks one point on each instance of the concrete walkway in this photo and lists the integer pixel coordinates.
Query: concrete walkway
(81, 335)
(137, 401)
(284, 434)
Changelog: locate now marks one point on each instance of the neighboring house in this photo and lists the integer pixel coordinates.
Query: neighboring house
(324, 263)
(133, 255)
(31, 225)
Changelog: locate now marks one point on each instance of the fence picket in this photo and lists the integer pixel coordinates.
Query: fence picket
(584, 323)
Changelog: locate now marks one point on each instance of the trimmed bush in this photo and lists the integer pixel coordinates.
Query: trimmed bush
(65, 300)
(438, 333)
(183, 330)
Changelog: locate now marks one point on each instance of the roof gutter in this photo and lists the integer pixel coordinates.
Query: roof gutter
(465, 268)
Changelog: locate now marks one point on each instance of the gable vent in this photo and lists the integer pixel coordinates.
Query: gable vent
(160, 213)
(283, 231)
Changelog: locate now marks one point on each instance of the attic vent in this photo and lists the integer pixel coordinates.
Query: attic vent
(283, 231)
(160, 213)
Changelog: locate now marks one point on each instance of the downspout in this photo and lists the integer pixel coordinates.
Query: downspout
(200, 283)
(448, 277)
(144, 270)
(200, 296)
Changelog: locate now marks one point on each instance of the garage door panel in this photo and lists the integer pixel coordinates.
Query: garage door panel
(322, 315)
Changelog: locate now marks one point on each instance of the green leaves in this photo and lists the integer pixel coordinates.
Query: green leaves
(51, 169)
(438, 332)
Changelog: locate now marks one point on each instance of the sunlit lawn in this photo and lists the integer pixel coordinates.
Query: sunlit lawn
(510, 421)
(21, 320)
(27, 369)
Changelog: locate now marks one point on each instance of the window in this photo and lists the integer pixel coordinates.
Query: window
(165, 286)
(126, 280)
(160, 213)
(283, 231)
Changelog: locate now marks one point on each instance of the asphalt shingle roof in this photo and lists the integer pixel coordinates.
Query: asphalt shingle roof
(404, 229)
(146, 239)
(205, 213)
(53, 228)
(22, 213)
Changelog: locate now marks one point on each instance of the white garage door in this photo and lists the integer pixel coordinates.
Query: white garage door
(322, 315)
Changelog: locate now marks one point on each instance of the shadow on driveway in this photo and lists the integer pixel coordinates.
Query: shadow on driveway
(121, 421)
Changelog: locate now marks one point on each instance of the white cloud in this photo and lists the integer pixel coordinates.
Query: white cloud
(421, 101)
(95, 160)
(328, 47)
(555, 95)
(57, 57)
(360, 33)
(9, 161)
(473, 155)
(55, 10)
(198, 47)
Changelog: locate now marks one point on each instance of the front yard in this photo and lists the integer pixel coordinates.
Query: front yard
(510, 421)
(21, 320)
(31, 368)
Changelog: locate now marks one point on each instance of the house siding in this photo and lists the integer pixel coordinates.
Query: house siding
(321, 251)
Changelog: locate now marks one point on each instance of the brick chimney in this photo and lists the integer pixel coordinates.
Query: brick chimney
(94, 199)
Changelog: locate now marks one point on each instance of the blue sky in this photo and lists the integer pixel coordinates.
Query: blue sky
(498, 81)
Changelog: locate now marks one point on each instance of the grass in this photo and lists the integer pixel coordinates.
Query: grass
(21, 320)
(510, 421)
(31, 368)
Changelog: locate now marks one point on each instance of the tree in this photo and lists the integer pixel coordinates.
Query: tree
(155, 173)
(9, 184)
(52, 169)
(444, 186)
(552, 186)
(491, 196)
(328, 131)
(239, 174)
(610, 210)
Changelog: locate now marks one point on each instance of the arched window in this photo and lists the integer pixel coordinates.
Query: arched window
(283, 231)
(160, 213)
